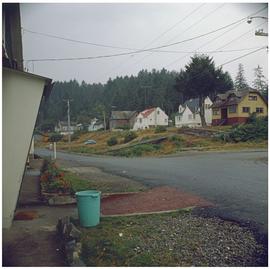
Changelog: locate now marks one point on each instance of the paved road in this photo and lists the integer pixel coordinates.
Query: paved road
(236, 181)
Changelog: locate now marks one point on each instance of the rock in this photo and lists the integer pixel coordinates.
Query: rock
(74, 232)
(70, 245)
(61, 200)
(61, 225)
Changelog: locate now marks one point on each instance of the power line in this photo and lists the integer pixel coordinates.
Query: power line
(182, 20)
(233, 60)
(159, 36)
(241, 36)
(77, 41)
(179, 59)
(215, 38)
(138, 51)
(194, 24)
(197, 22)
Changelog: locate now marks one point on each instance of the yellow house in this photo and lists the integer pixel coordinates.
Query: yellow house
(237, 106)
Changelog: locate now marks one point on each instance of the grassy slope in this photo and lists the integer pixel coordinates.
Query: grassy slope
(182, 142)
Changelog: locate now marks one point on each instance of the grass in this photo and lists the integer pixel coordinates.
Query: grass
(177, 142)
(116, 241)
(78, 184)
(102, 182)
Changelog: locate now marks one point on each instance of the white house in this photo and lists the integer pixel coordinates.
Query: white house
(63, 129)
(95, 125)
(189, 113)
(151, 117)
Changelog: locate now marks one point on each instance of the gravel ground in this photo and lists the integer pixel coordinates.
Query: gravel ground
(196, 241)
(180, 239)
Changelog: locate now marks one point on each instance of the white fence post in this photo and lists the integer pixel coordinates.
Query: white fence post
(54, 150)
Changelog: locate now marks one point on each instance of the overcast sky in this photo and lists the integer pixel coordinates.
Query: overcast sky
(137, 26)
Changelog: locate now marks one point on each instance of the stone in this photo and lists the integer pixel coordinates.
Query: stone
(74, 232)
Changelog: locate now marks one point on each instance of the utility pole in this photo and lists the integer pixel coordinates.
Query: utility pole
(145, 87)
(104, 119)
(68, 118)
(68, 112)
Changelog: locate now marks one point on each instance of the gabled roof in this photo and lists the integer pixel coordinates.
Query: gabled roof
(122, 115)
(147, 112)
(193, 105)
(232, 97)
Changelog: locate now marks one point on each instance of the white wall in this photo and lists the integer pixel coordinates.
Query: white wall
(195, 121)
(141, 123)
(21, 98)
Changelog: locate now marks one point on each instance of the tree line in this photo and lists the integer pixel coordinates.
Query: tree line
(163, 88)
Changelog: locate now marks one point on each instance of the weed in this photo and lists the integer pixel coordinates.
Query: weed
(112, 141)
(160, 129)
(129, 136)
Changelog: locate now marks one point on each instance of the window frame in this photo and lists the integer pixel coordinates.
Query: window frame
(245, 108)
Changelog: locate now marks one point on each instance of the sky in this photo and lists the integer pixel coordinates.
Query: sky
(135, 26)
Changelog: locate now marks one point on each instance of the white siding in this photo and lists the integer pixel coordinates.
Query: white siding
(21, 98)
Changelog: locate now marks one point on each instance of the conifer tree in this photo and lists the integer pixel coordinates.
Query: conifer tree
(240, 82)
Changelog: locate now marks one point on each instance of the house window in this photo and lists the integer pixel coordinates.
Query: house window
(215, 111)
(232, 109)
(158, 112)
(252, 98)
(140, 120)
(259, 109)
(190, 116)
(246, 109)
(165, 120)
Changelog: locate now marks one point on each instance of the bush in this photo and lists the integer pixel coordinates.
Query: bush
(124, 127)
(256, 130)
(129, 136)
(55, 137)
(112, 141)
(176, 140)
(76, 135)
(137, 151)
(52, 179)
(160, 129)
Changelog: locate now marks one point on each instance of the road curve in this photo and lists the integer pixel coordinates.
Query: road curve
(237, 182)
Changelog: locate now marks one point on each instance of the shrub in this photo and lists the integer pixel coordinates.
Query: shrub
(76, 135)
(52, 179)
(137, 151)
(112, 141)
(55, 137)
(160, 129)
(129, 136)
(176, 140)
(257, 129)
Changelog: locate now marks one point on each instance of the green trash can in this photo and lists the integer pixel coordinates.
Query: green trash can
(88, 203)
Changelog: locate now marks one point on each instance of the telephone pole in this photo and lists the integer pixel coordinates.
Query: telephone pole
(145, 87)
(68, 119)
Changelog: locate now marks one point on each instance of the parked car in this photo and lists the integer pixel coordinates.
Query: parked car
(90, 142)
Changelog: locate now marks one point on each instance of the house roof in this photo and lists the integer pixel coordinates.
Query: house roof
(65, 123)
(193, 104)
(232, 97)
(122, 115)
(147, 112)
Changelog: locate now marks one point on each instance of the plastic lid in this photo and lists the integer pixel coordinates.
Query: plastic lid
(88, 193)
